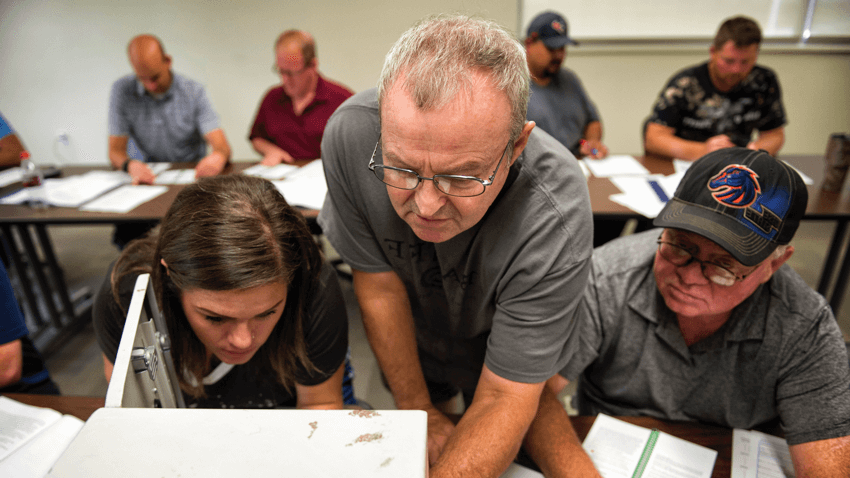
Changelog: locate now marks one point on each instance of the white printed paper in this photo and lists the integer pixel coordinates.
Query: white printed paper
(617, 165)
(759, 455)
(270, 172)
(176, 176)
(124, 199)
(305, 187)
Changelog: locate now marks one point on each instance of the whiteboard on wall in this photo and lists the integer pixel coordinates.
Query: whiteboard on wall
(675, 19)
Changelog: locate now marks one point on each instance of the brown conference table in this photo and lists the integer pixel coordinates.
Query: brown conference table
(716, 438)
(23, 231)
(30, 227)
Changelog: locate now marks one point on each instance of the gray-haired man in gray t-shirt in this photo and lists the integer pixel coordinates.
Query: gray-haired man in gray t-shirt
(469, 236)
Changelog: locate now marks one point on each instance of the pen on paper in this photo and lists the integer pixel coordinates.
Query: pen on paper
(594, 152)
(659, 191)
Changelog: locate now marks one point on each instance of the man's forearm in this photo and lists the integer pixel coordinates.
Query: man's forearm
(264, 146)
(488, 436)
(117, 151)
(11, 363)
(218, 142)
(770, 141)
(593, 131)
(10, 150)
(674, 147)
(553, 444)
(661, 140)
(389, 328)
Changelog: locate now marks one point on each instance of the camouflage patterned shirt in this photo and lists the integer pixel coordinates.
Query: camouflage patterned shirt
(691, 104)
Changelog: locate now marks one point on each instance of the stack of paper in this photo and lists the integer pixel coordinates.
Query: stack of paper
(270, 172)
(305, 187)
(756, 454)
(124, 199)
(10, 176)
(642, 192)
(74, 190)
(32, 438)
(616, 165)
(176, 176)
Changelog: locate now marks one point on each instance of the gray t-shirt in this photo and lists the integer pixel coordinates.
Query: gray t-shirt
(562, 109)
(514, 278)
(781, 353)
(170, 128)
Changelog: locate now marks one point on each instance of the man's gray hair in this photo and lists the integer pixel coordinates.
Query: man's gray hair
(438, 56)
(780, 249)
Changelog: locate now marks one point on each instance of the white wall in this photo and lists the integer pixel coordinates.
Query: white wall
(624, 85)
(59, 58)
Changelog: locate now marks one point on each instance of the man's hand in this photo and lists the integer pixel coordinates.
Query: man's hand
(439, 430)
(211, 165)
(770, 141)
(662, 141)
(591, 143)
(718, 142)
(275, 157)
(140, 172)
(593, 149)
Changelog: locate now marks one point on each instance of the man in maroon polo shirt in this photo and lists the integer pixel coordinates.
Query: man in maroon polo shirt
(292, 116)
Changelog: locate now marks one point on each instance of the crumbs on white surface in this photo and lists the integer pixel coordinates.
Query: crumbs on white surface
(364, 413)
(367, 437)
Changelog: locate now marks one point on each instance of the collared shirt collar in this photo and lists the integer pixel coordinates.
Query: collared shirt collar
(142, 92)
(320, 96)
(746, 322)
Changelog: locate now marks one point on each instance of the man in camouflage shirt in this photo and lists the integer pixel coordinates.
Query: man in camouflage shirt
(719, 104)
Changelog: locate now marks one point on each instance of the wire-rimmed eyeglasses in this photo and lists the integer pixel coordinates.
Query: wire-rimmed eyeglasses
(451, 184)
(681, 257)
(287, 73)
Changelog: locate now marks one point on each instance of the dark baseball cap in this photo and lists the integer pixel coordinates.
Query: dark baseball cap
(552, 29)
(746, 201)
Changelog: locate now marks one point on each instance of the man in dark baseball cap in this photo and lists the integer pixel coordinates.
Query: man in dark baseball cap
(749, 204)
(558, 103)
(551, 28)
(703, 320)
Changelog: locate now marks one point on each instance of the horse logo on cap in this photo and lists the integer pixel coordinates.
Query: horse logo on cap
(735, 186)
(557, 26)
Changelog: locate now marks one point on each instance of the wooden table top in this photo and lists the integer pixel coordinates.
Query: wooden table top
(152, 210)
(716, 438)
(822, 205)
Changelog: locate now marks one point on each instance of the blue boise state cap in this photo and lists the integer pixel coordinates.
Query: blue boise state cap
(552, 29)
(745, 201)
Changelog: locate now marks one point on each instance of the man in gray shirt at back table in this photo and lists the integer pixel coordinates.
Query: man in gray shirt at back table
(167, 115)
(558, 103)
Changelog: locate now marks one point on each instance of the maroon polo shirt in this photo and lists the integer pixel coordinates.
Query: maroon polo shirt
(300, 136)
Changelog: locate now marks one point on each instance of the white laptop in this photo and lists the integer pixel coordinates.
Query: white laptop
(133, 437)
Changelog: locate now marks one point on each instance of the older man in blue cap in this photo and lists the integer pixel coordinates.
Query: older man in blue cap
(558, 104)
(703, 321)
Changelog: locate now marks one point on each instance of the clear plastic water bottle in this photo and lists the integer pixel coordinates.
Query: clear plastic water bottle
(33, 180)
